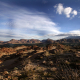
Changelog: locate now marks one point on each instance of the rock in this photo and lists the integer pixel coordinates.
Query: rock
(6, 72)
(1, 77)
(44, 62)
(53, 69)
(9, 77)
(1, 61)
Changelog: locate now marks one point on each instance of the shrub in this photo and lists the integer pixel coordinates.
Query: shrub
(46, 53)
(65, 72)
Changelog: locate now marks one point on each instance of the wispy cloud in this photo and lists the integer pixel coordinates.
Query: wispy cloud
(70, 33)
(68, 11)
(17, 23)
(63, 35)
(26, 22)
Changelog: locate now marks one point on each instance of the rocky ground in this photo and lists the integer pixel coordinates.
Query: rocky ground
(53, 62)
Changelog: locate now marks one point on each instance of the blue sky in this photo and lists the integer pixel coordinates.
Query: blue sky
(39, 19)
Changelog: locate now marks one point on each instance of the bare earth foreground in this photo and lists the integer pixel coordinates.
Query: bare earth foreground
(53, 62)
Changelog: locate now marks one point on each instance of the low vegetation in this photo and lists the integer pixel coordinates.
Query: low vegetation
(50, 62)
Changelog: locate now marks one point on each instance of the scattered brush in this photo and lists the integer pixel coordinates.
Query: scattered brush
(65, 72)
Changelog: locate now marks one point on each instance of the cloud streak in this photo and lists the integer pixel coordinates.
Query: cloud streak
(24, 21)
(70, 33)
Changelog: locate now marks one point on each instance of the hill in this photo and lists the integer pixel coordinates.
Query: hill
(21, 41)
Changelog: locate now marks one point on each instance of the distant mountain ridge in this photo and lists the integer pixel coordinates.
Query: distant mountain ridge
(26, 41)
(68, 40)
(21, 41)
(71, 39)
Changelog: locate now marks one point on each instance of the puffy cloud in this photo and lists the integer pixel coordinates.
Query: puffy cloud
(67, 11)
(74, 12)
(60, 9)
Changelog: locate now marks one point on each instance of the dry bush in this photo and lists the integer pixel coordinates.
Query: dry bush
(46, 53)
(65, 72)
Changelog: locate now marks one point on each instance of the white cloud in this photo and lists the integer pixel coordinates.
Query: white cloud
(63, 35)
(23, 23)
(74, 13)
(67, 11)
(60, 9)
(70, 33)
(75, 32)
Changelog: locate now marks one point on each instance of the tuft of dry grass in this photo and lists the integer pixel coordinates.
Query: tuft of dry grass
(65, 72)
(46, 53)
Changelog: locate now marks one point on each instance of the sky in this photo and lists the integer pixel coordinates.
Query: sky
(39, 19)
